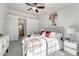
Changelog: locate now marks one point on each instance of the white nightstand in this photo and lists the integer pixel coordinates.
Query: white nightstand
(71, 47)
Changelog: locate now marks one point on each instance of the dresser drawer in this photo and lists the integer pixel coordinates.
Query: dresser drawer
(71, 51)
(70, 44)
(1, 50)
(4, 44)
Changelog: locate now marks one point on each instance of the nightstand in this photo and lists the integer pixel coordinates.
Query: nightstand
(71, 47)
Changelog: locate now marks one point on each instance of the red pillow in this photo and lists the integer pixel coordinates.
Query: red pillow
(48, 33)
(52, 34)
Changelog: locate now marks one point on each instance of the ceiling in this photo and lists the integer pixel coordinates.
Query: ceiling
(48, 7)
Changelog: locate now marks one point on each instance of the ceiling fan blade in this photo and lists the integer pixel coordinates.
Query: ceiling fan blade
(29, 9)
(41, 7)
(36, 10)
(35, 3)
(28, 4)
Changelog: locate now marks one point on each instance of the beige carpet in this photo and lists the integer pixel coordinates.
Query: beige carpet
(15, 48)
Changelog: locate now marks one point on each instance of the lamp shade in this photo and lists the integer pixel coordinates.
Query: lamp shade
(70, 30)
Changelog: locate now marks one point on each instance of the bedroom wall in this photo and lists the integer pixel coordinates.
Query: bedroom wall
(20, 13)
(3, 13)
(31, 20)
(68, 16)
(32, 25)
(12, 27)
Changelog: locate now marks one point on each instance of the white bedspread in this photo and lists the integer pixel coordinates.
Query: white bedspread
(41, 46)
(35, 46)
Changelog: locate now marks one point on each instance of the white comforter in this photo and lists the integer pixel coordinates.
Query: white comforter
(41, 46)
(35, 46)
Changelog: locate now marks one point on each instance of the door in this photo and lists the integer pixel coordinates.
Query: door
(22, 27)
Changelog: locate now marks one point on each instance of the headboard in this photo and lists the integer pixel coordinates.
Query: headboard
(55, 29)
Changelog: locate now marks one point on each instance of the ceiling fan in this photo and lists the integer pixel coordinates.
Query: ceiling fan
(35, 7)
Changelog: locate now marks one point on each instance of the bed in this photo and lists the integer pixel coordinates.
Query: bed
(40, 45)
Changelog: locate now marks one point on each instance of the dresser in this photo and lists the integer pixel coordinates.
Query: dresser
(4, 44)
(71, 47)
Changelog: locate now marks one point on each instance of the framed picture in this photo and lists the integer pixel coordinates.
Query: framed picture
(52, 18)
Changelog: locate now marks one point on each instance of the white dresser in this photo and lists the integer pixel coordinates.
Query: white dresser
(4, 44)
(71, 47)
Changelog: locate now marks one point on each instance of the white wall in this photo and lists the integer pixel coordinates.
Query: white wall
(19, 13)
(44, 21)
(31, 20)
(12, 27)
(68, 16)
(32, 25)
(3, 12)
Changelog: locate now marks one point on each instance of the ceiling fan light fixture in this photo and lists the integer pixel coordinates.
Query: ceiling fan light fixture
(34, 8)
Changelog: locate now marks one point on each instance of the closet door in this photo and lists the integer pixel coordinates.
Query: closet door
(12, 27)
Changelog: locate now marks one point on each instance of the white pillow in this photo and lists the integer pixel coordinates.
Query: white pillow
(52, 34)
(43, 34)
(59, 35)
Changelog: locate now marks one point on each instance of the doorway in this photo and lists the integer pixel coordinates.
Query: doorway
(22, 27)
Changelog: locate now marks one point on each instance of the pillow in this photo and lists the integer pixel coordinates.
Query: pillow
(52, 34)
(48, 34)
(43, 34)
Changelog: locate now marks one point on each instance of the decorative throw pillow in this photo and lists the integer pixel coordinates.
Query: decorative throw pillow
(52, 34)
(48, 34)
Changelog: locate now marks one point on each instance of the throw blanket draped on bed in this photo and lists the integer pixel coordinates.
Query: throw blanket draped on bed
(33, 42)
(35, 46)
